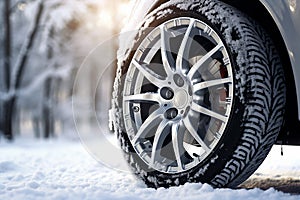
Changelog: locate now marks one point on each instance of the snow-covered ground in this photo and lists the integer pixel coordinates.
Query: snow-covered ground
(62, 169)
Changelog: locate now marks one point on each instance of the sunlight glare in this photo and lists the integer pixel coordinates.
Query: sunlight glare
(105, 18)
(21, 6)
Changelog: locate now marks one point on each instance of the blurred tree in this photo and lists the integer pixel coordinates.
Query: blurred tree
(13, 78)
(5, 121)
(39, 62)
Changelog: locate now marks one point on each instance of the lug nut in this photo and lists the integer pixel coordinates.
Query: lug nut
(178, 80)
(167, 93)
(171, 113)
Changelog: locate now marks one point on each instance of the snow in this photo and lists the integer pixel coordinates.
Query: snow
(277, 166)
(63, 169)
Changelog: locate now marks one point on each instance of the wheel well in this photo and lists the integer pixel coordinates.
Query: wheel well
(256, 10)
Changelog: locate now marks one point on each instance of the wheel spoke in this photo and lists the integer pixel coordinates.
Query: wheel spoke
(154, 97)
(159, 139)
(201, 109)
(202, 60)
(166, 56)
(188, 125)
(207, 84)
(184, 50)
(177, 140)
(149, 74)
(148, 124)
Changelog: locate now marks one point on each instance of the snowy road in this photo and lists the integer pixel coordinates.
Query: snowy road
(64, 170)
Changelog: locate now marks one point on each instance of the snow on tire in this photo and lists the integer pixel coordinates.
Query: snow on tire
(200, 97)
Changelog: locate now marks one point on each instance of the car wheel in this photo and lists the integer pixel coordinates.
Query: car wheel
(201, 96)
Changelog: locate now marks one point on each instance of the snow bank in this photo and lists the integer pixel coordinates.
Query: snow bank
(61, 169)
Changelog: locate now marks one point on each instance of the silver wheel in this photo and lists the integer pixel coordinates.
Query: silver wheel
(178, 95)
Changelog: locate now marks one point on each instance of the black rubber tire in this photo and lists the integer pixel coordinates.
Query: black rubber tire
(258, 107)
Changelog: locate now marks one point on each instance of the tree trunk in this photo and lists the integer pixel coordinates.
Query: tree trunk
(48, 104)
(7, 45)
(17, 74)
(46, 110)
(36, 126)
(56, 88)
(6, 117)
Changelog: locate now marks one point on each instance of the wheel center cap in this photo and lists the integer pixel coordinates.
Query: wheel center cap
(181, 98)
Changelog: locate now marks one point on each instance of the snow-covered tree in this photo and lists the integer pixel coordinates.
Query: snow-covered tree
(12, 75)
(45, 42)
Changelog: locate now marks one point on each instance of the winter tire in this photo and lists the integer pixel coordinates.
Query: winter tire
(200, 97)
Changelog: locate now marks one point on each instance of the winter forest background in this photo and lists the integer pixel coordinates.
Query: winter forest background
(43, 46)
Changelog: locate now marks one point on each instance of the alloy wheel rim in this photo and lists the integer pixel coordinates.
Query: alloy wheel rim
(178, 94)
